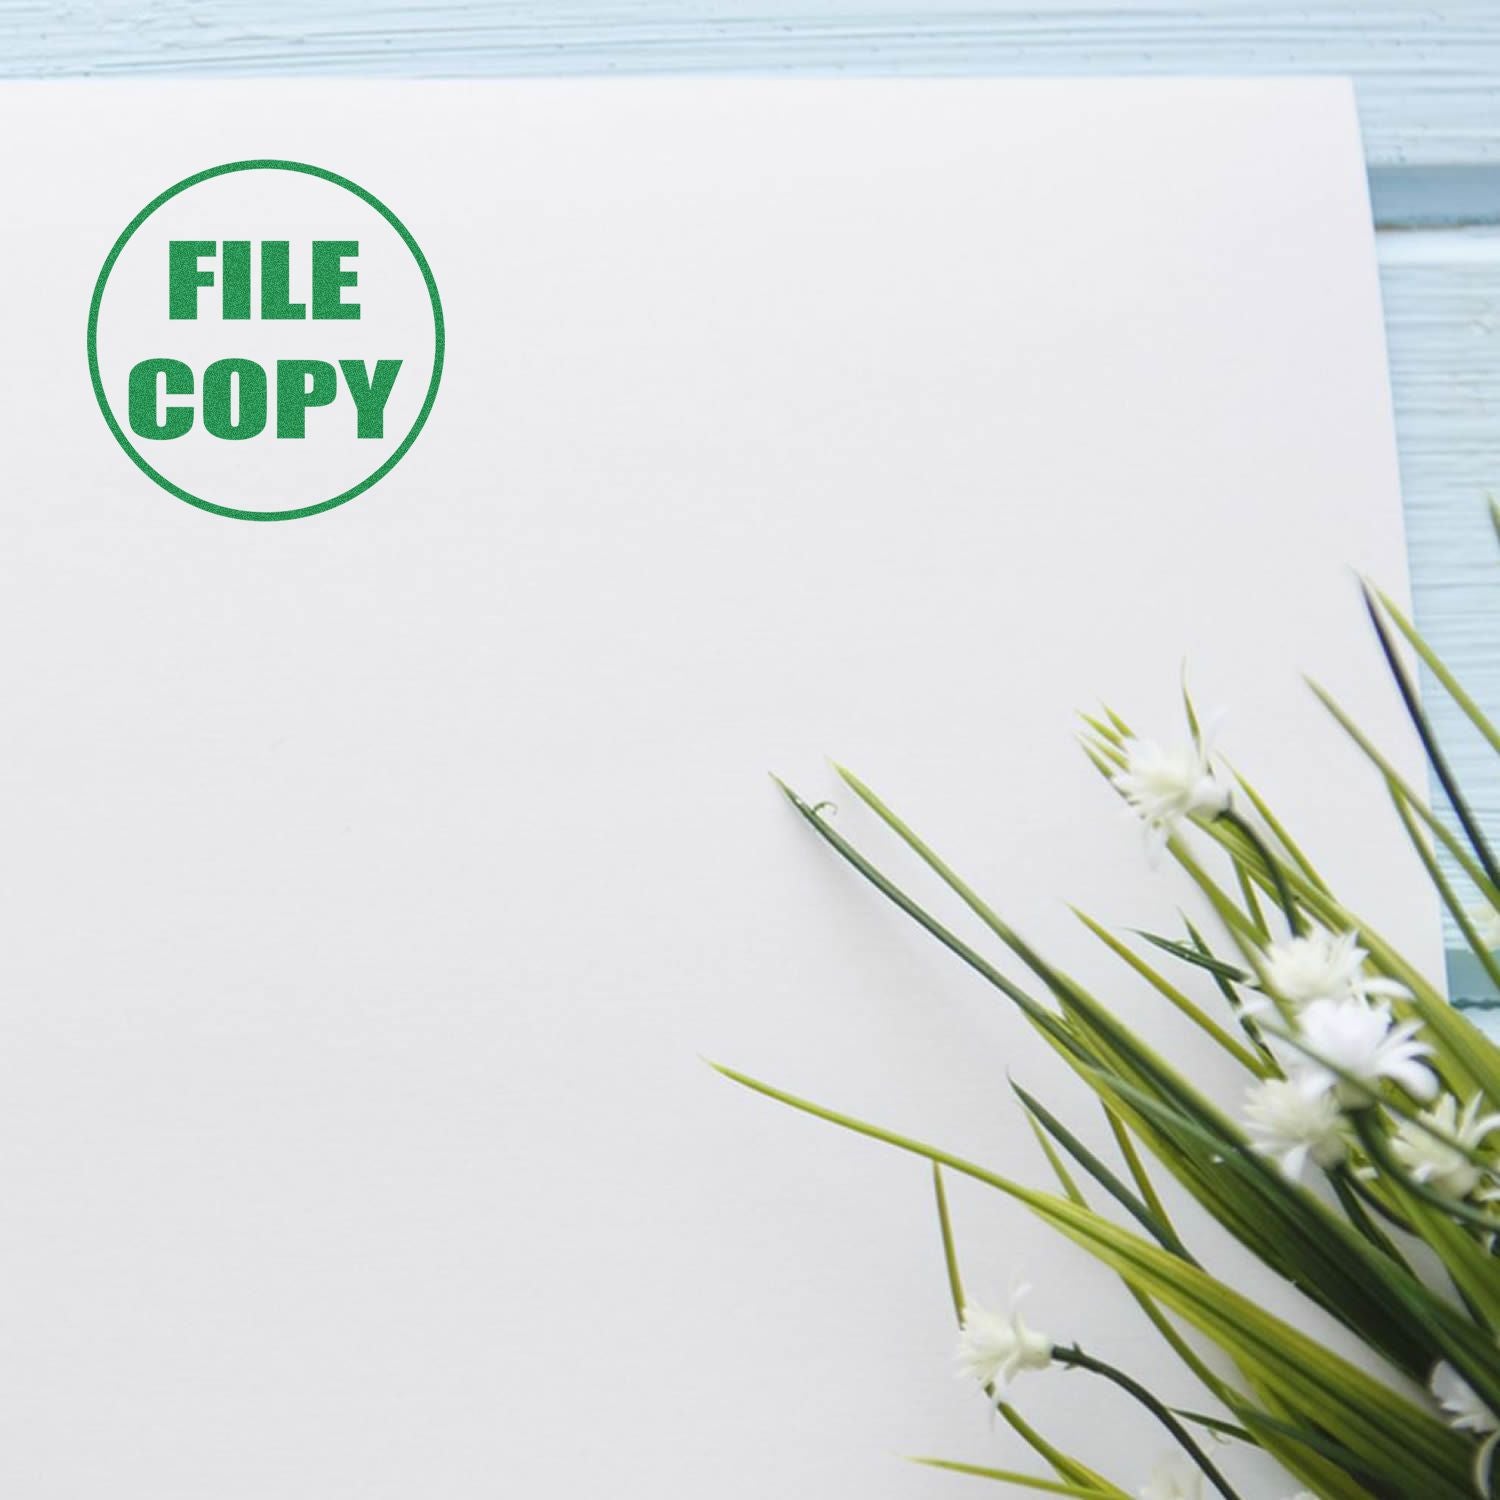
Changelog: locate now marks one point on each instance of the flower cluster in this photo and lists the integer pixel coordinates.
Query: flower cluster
(1356, 1066)
(1341, 1045)
(1329, 1025)
(1344, 1043)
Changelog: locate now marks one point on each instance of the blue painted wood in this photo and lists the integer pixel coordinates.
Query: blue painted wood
(1442, 303)
(1426, 74)
(1435, 196)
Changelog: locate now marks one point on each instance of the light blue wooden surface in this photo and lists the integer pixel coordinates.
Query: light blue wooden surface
(1426, 73)
(1428, 80)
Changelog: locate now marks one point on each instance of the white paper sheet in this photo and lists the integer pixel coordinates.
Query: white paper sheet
(375, 882)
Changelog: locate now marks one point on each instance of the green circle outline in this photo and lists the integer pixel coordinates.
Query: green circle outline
(266, 164)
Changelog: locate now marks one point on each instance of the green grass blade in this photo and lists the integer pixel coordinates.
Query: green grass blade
(1068, 1468)
(1008, 1476)
(1333, 1470)
(1444, 887)
(1313, 1247)
(1154, 1315)
(1216, 1424)
(950, 1250)
(1174, 996)
(1468, 1059)
(1411, 1448)
(1358, 1216)
(1278, 831)
(1063, 1464)
(1136, 1167)
(1046, 1021)
(1161, 1232)
(1387, 769)
(1435, 756)
(1439, 669)
(1198, 957)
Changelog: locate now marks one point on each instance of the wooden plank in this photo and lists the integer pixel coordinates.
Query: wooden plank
(1426, 76)
(1442, 307)
(1434, 196)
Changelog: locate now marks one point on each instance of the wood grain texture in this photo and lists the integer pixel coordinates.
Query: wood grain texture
(1442, 307)
(1426, 74)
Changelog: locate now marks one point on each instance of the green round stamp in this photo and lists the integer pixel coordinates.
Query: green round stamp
(127, 434)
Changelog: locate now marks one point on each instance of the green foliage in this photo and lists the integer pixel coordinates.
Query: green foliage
(1398, 1243)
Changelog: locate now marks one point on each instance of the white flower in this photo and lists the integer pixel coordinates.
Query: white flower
(1441, 1167)
(1465, 1412)
(993, 1347)
(1290, 1122)
(1166, 786)
(1362, 1042)
(1462, 1408)
(1174, 1479)
(1321, 966)
(1486, 920)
